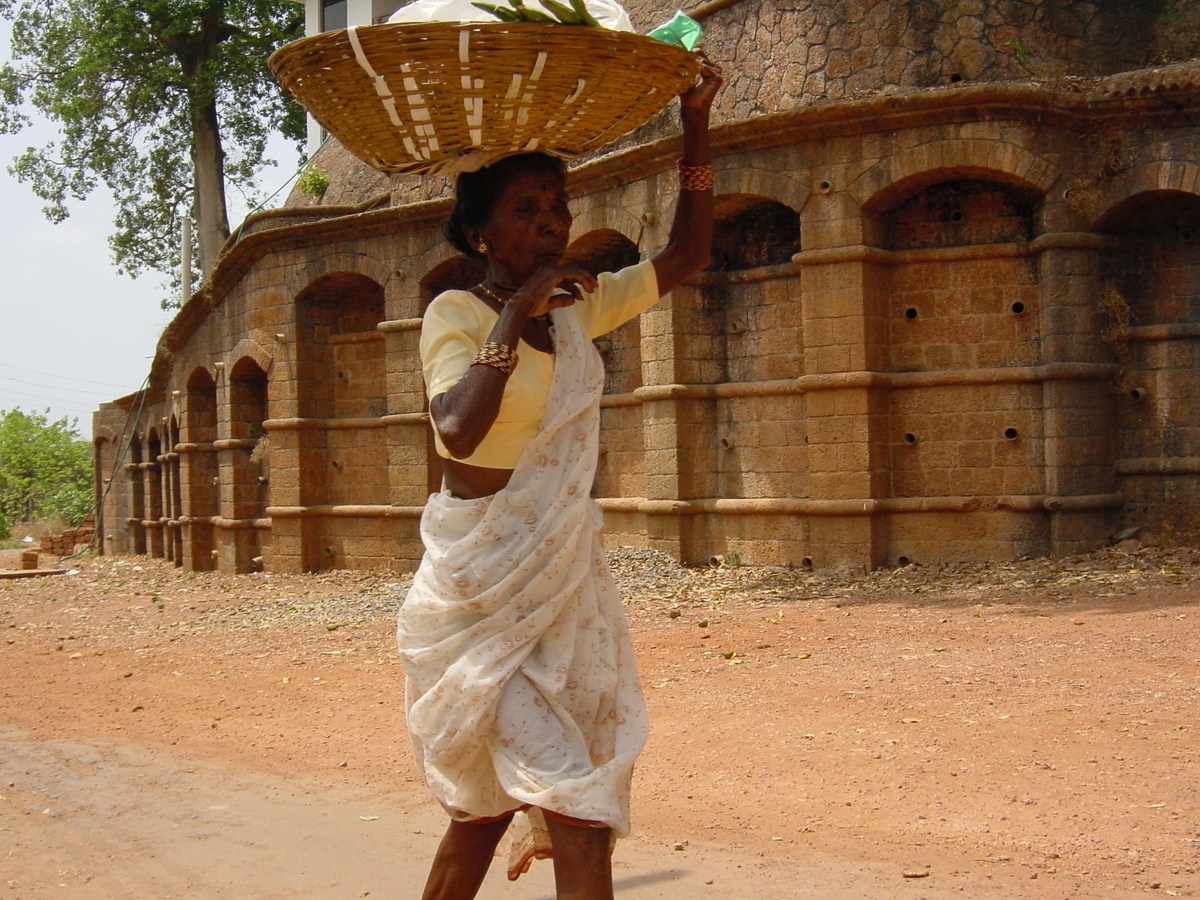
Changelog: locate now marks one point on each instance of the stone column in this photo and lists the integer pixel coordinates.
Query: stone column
(1080, 410)
(679, 341)
(413, 468)
(198, 482)
(843, 292)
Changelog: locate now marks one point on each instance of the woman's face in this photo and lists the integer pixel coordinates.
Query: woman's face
(529, 228)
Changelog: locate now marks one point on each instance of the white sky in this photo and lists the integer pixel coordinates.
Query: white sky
(74, 333)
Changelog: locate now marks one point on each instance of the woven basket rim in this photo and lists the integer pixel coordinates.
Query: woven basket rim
(354, 80)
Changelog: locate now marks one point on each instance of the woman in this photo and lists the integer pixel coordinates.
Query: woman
(523, 697)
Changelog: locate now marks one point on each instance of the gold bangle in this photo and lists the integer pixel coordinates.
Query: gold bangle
(498, 356)
(696, 178)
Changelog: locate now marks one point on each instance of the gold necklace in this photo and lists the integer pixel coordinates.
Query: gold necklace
(503, 301)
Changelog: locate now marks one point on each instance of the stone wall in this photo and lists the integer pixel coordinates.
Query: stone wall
(944, 323)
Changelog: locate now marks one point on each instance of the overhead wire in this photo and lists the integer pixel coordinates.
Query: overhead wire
(20, 398)
(123, 387)
(15, 391)
(55, 387)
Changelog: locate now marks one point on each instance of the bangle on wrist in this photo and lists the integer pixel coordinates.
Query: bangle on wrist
(497, 356)
(696, 178)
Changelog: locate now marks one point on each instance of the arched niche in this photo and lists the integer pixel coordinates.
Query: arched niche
(960, 212)
(174, 492)
(340, 352)
(247, 399)
(603, 250)
(154, 452)
(1149, 296)
(200, 420)
(751, 231)
(137, 492)
(1156, 265)
(154, 492)
(200, 470)
(458, 273)
(247, 463)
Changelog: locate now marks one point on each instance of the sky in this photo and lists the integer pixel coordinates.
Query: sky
(74, 333)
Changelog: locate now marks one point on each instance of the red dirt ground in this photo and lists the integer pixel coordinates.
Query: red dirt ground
(1026, 730)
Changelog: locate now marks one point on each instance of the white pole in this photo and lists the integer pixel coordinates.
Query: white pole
(185, 263)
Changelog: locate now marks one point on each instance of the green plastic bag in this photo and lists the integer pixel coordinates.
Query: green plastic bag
(682, 30)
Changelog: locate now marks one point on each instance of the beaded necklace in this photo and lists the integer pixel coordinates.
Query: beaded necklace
(503, 301)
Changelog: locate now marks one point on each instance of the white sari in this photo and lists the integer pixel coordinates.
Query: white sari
(522, 689)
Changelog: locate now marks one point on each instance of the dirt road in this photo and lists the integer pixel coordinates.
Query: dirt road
(1026, 730)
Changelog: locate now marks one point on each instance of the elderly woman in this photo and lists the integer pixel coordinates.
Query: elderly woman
(523, 697)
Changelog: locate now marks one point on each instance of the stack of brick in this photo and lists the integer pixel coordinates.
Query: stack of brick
(70, 541)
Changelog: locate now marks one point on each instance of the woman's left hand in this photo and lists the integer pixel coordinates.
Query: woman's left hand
(700, 95)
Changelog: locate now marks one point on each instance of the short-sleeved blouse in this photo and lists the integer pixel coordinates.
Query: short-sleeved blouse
(457, 324)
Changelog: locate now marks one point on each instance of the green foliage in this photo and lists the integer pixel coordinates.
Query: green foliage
(154, 98)
(45, 470)
(1021, 50)
(313, 181)
(558, 13)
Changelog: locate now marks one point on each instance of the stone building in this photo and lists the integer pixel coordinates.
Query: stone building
(953, 314)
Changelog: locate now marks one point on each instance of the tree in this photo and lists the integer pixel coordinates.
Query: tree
(165, 101)
(45, 469)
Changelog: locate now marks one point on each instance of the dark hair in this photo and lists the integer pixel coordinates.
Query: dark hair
(476, 193)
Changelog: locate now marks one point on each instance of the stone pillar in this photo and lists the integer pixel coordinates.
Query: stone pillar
(198, 483)
(1079, 410)
(679, 340)
(288, 547)
(241, 505)
(153, 492)
(414, 470)
(843, 292)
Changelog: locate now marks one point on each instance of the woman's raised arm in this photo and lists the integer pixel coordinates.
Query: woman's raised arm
(689, 245)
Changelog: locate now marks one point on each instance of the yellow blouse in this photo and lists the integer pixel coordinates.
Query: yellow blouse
(457, 324)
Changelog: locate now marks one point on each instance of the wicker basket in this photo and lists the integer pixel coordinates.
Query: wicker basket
(441, 97)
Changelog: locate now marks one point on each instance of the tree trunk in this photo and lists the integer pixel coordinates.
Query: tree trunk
(208, 165)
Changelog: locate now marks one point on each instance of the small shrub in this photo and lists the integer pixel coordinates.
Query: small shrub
(313, 181)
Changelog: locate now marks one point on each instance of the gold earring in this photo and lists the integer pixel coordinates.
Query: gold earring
(483, 247)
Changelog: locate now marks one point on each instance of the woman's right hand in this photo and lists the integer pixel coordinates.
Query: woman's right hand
(552, 287)
(699, 97)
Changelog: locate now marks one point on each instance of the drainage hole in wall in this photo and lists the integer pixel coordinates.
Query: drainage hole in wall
(728, 443)
(806, 563)
(329, 551)
(909, 437)
(956, 216)
(910, 313)
(902, 561)
(1011, 434)
(955, 78)
(1137, 393)
(1018, 308)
